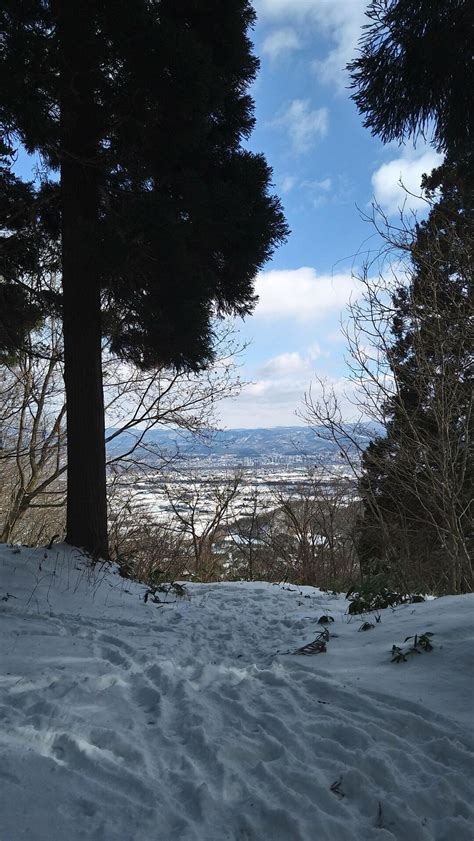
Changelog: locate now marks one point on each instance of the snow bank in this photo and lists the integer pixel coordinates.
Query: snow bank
(128, 721)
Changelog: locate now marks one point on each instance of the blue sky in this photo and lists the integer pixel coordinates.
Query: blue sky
(326, 166)
(327, 169)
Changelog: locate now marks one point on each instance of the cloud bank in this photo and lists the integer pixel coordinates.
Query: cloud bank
(339, 21)
(397, 184)
(302, 294)
(280, 42)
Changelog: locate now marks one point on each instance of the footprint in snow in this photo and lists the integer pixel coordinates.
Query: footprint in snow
(114, 657)
(148, 699)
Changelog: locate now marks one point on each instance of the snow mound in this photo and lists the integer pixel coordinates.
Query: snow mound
(125, 720)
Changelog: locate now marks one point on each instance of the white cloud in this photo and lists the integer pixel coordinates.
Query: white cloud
(302, 294)
(274, 401)
(287, 183)
(284, 8)
(277, 391)
(303, 124)
(318, 186)
(315, 352)
(317, 191)
(270, 401)
(293, 363)
(284, 365)
(324, 185)
(344, 25)
(279, 42)
(339, 21)
(405, 170)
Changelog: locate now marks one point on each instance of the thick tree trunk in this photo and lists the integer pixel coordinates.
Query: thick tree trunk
(86, 476)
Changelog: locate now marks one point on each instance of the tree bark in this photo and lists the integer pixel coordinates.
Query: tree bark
(86, 474)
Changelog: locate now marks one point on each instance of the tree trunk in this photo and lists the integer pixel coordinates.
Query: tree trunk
(86, 476)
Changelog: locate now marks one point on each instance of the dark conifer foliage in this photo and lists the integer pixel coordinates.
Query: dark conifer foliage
(23, 257)
(419, 478)
(164, 218)
(415, 71)
(415, 75)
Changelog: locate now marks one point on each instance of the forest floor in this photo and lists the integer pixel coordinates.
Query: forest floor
(126, 720)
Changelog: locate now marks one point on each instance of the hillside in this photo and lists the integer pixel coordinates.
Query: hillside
(237, 444)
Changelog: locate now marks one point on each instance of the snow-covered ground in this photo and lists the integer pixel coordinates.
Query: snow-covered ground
(128, 721)
(147, 493)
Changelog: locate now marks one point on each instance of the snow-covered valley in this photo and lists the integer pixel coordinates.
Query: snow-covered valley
(127, 720)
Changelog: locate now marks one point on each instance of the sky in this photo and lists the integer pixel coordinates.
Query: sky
(327, 170)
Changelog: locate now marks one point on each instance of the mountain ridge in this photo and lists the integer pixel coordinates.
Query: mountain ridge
(243, 442)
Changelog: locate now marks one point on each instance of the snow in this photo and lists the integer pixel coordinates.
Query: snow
(129, 721)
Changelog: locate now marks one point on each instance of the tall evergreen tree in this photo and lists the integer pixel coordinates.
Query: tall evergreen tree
(21, 250)
(163, 217)
(418, 480)
(415, 75)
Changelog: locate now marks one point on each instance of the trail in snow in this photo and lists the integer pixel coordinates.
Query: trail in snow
(125, 721)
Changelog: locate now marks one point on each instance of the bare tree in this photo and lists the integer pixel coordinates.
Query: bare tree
(32, 427)
(137, 402)
(201, 506)
(410, 339)
(245, 535)
(32, 414)
(144, 548)
(313, 529)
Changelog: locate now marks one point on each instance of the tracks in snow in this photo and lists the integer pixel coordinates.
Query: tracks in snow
(187, 727)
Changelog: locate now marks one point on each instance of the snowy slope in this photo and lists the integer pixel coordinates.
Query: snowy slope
(126, 721)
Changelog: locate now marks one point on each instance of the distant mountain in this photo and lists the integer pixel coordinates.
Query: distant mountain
(237, 444)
